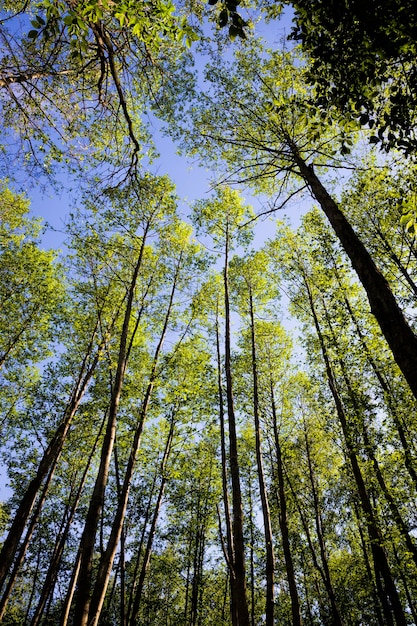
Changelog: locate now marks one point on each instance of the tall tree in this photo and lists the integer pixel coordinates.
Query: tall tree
(275, 142)
(252, 295)
(223, 218)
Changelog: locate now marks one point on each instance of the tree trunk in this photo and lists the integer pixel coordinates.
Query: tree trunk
(408, 456)
(148, 551)
(269, 545)
(47, 464)
(229, 551)
(283, 517)
(237, 525)
(400, 338)
(337, 619)
(51, 575)
(106, 561)
(87, 543)
(385, 583)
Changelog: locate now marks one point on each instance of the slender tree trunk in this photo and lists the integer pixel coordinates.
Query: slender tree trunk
(396, 260)
(122, 561)
(237, 525)
(337, 619)
(106, 561)
(139, 549)
(283, 517)
(196, 587)
(66, 608)
(384, 579)
(229, 552)
(97, 499)
(198, 559)
(371, 578)
(401, 525)
(397, 332)
(47, 464)
(388, 394)
(251, 553)
(52, 573)
(33, 587)
(321, 569)
(148, 551)
(269, 544)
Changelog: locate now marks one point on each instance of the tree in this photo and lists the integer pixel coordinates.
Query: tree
(276, 142)
(30, 289)
(361, 61)
(85, 70)
(355, 409)
(224, 218)
(252, 294)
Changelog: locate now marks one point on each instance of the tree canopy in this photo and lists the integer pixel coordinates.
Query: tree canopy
(208, 414)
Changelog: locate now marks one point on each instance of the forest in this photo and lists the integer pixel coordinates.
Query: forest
(202, 424)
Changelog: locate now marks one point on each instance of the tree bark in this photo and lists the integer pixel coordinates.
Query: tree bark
(237, 524)
(400, 337)
(148, 550)
(87, 543)
(106, 561)
(269, 545)
(229, 551)
(47, 464)
(387, 590)
(56, 556)
(283, 516)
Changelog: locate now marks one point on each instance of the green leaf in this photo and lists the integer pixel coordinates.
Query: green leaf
(223, 18)
(233, 32)
(411, 227)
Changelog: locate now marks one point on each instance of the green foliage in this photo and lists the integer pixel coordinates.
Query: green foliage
(97, 65)
(30, 286)
(362, 62)
(225, 218)
(90, 70)
(153, 22)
